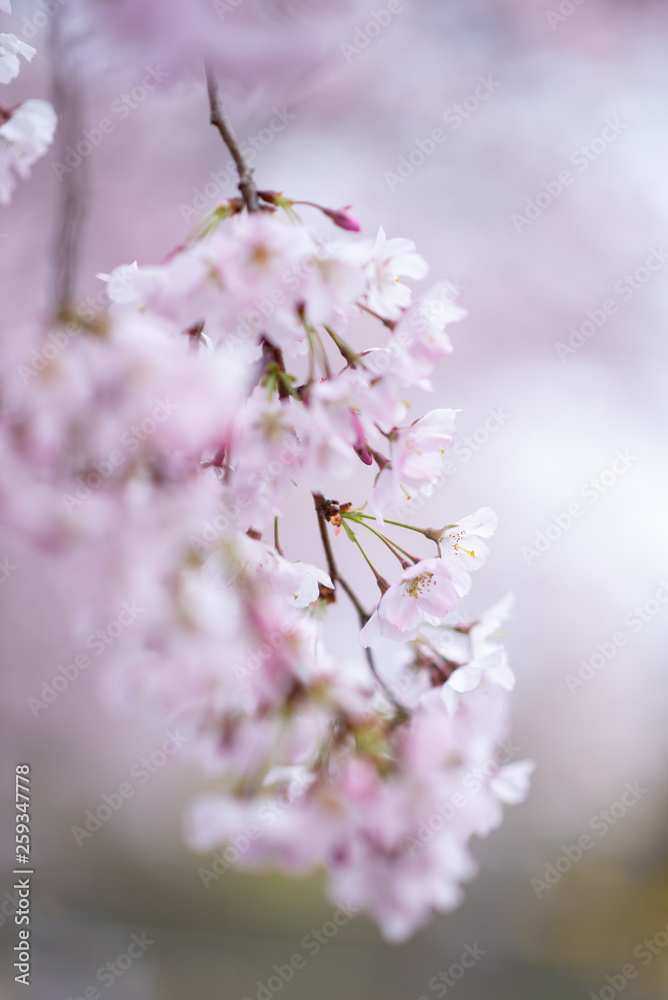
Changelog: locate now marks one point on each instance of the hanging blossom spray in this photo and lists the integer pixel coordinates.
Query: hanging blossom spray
(152, 453)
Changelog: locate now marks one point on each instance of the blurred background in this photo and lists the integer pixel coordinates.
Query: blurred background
(546, 205)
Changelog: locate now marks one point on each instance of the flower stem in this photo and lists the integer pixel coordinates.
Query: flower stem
(389, 323)
(347, 352)
(392, 546)
(323, 354)
(311, 354)
(381, 581)
(427, 532)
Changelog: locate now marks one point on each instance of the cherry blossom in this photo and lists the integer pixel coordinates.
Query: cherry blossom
(426, 591)
(462, 541)
(419, 339)
(493, 668)
(477, 659)
(390, 260)
(26, 130)
(416, 458)
(120, 284)
(298, 582)
(11, 48)
(24, 138)
(511, 784)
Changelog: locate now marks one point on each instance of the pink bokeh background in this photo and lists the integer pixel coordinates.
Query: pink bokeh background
(564, 420)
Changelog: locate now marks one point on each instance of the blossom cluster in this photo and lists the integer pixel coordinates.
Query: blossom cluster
(27, 129)
(152, 453)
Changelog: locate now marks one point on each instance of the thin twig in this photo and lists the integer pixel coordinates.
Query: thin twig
(277, 544)
(362, 614)
(322, 524)
(220, 120)
(402, 712)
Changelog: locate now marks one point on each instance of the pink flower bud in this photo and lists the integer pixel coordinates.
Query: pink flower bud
(343, 218)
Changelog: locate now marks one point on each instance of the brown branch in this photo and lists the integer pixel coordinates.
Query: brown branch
(220, 121)
(362, 614)
(68, 102)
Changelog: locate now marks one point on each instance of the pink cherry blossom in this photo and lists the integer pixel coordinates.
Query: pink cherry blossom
(425, 591)
(24, 139)
(419, 339)
(462, 542)
(298, 582)
(492, 669)
(511, 784)
(11, 48)
(389, 261)
(416, 457)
